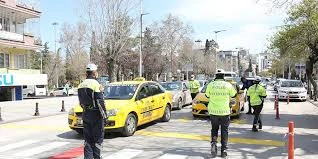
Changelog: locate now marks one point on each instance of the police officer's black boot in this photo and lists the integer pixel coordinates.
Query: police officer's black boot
(254, 129)
(223, 153)
(214, 150)
(260, 125)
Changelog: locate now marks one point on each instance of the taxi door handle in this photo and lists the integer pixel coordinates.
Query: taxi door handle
(152, 101)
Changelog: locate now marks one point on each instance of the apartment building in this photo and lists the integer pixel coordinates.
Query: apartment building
(17, 42)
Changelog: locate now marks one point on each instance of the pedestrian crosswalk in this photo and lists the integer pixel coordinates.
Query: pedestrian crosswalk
(40, 149)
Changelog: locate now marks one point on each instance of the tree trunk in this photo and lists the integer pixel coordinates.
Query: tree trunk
(309, 70)
(112, 70)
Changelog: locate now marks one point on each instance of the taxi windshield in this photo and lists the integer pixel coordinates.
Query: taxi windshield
(125, 91)
(172, 86)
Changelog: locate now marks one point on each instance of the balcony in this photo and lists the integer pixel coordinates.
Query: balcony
(26, 41)
(11, 36)
(19, 71)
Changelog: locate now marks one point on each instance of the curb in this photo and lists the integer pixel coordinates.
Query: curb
(315, 103)
(30, 118)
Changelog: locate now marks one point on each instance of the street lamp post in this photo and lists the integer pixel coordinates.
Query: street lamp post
(56, 70)
(140, 49)
(216, 41)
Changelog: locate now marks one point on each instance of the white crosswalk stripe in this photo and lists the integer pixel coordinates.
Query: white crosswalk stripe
(17, 145)
(172, 156)
(124, 153)
(41, 149)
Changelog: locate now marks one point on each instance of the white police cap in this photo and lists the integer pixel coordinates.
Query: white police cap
(91, 67)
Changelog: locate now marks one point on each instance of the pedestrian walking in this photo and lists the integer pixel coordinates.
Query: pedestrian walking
(91, 100)
(257, 94)
(67, 88)
(194, 86)
(219, 93)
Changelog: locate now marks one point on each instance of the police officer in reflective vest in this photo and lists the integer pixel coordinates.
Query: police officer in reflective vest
(219, 93)
(194, 86)
(90, 98)
(257, 93)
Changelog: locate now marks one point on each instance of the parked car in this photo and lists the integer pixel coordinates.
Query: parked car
(180, 93)
(61, 91)
(129, 104)
(33, 90)
(292, 88)
(200, 102)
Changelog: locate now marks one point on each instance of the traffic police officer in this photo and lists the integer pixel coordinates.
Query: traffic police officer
(194, 87)
(90, 96)
(219, 93)
(256, 94)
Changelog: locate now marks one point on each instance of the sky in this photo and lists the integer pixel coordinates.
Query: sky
(248, 24)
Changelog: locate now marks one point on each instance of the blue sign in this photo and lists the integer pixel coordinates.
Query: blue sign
(6, 80)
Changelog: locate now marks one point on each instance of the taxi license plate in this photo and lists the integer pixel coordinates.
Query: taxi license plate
(79, 122)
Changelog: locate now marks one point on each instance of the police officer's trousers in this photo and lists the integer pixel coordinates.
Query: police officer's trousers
(257, 114)
(216, 122)
(93, 134)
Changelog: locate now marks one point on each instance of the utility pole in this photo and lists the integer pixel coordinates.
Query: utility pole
(56, 68)
(216, 41)
(140, 49)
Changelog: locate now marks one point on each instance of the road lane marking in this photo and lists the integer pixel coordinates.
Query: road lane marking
(40, 149)
(17, 145)
(72, 153)
(172, 156)
(124, 153)
(35, 127)
(208, 138)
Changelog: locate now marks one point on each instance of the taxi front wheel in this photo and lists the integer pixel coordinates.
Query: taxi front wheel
(130, 125)
(167, 114)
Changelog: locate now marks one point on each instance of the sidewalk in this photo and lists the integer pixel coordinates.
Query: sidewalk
(23, 110)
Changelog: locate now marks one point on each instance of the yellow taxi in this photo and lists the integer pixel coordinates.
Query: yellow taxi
(129, 104)
(200, 102)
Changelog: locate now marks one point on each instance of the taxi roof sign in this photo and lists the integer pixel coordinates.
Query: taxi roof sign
(139, 79)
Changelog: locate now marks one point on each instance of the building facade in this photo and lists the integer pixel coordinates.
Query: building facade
(17, 42)
(264, 62)
(228, 61)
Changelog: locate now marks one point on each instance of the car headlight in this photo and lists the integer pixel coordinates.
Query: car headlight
(303, 91)
(112, 112)
(71, 112)
(195, 101)
(282, 92)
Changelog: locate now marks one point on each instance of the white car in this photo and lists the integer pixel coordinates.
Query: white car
(61, 91)
(180, 91)
(292, 88)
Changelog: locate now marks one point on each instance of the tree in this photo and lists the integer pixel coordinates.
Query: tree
(172, 32)
(299, 36)
(153, 61)
(111, 24)
(75, 39)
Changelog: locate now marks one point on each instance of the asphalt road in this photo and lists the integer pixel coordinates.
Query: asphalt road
(181, 138)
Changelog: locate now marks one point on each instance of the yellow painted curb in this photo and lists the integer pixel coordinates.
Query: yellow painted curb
(208, 138)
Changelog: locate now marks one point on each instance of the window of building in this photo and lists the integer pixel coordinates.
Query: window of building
(5, 24)
(4, 60)
(20, 61)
